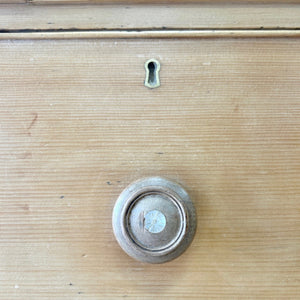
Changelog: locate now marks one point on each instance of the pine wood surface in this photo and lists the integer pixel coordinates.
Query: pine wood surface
(77, 125)
(203, 16)
(117, 2)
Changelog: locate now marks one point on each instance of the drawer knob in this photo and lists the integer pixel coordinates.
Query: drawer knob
(154, 220)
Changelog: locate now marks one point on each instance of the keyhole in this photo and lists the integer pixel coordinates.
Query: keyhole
(152, 67)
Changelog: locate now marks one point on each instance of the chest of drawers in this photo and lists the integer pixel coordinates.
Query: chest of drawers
(77, 125)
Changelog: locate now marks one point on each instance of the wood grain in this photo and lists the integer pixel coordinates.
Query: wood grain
(77, 125)
(192, 16)
(139, 1)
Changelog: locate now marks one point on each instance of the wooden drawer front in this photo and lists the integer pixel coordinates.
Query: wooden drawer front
(78, 125)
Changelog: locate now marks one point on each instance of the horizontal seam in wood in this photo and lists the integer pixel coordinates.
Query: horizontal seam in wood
(164, 34)
(145, 29)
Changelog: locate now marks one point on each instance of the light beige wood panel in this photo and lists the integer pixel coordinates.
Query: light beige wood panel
(12, 1)
(138, 1)
(192, 16)
(78, 125)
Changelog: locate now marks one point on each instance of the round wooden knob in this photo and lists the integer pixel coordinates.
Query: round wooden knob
(154, 220)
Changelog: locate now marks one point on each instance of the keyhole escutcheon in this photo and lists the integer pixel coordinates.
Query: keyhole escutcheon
(152, 67)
